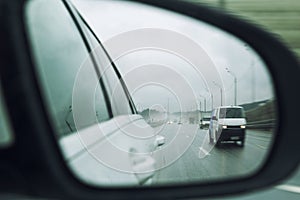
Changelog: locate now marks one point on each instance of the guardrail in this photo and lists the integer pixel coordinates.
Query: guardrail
(262, 124)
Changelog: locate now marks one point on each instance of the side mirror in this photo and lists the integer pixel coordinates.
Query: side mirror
(204, 176)
(159, 140)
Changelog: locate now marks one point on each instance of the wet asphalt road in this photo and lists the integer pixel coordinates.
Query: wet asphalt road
(188, 156)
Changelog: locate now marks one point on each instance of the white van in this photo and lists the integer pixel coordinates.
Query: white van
(228, 124)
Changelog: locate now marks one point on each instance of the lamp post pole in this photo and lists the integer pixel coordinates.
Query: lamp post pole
(212, 101)
(204, 102)
(221, 91)
(235, 85)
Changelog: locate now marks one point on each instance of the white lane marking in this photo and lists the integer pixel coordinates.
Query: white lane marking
(289, 188)
(206, 153)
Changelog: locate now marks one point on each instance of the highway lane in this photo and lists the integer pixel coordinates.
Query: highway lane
(204, 161)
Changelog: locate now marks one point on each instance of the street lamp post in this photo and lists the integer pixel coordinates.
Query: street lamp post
(212, 101)
(235, 85)
(199, 105)
(199, 112)
(216, 84)
(204, 102)
(252, 65)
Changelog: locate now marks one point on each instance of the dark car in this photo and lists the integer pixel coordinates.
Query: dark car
(204, 122)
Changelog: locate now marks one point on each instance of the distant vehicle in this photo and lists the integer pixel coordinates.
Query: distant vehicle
(170, 122)
(204, 122)
(228, 124)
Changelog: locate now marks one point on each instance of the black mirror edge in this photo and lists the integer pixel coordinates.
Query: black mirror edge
(45, 174)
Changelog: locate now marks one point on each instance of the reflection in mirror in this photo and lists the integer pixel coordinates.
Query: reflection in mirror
(193, 104)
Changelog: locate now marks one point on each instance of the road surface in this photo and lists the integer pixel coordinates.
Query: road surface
(204, 161)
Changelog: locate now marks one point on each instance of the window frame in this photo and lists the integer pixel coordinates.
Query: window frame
(81, 19)
(86, 48)
(74, 15)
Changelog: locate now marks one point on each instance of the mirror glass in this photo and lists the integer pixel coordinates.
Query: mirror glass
(165, 100)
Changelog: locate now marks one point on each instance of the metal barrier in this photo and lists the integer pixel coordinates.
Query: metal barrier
(263, 124)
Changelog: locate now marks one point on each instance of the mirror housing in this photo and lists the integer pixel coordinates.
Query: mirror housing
(35, 135)
(159, 140)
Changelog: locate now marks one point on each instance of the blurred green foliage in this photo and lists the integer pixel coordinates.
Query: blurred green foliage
(281, 17)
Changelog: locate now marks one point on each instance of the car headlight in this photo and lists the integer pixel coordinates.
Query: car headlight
(243, 126)
(224, 126)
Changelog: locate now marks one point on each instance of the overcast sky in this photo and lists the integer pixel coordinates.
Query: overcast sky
(161, 76)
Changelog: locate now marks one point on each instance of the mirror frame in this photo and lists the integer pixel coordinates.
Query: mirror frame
(34, 164)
